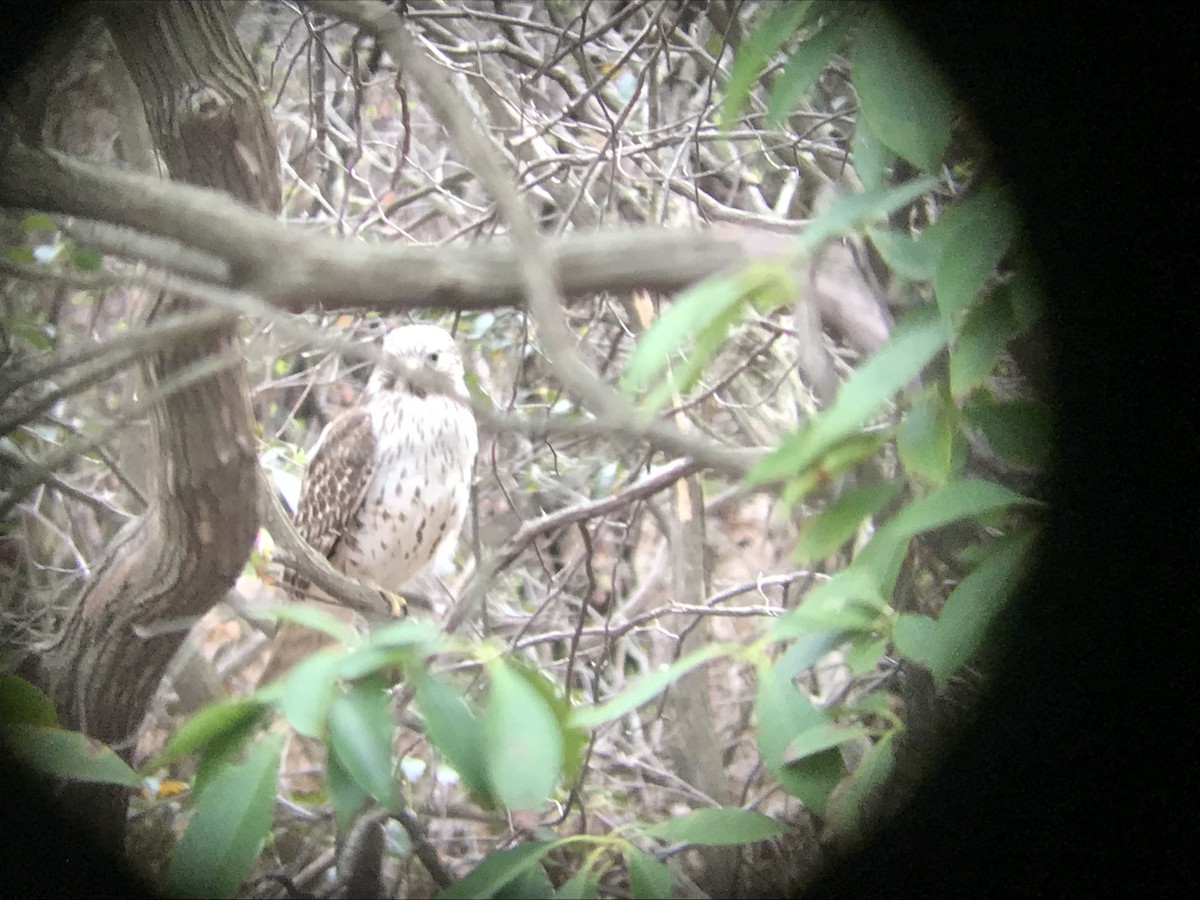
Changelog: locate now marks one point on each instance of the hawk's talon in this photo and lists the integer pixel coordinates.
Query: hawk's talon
(397, 604)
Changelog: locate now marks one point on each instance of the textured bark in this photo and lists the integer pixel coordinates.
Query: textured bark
(210, 127)
(694, 746)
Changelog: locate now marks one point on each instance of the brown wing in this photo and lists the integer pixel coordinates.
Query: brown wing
(336, 480)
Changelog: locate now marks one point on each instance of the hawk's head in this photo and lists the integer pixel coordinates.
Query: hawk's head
(419, 360)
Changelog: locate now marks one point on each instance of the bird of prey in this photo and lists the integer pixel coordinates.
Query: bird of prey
(387, 485)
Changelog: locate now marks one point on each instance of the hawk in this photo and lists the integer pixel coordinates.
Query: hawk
(387, 485)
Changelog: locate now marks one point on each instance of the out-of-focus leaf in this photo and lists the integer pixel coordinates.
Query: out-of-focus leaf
(454, 730)
(957, 500)
(649, 878)
(806, 651)
(806, 63)
(346, 795)
(66, 754)
(845, 810)
(228, 826)
(947, 643)
(524, 746)
(420, 634)
(827, 531)
(752, 56)
(838, 459)
(900, 92)
(983, 234)
(86, 260)
(496, 870)
(311, 617)
(872, 160)
(914, 342)
(985, 332)
(360, 730)
(782, 713)
(642, 690)
(820, 738)
(717, 826)
(21, 703)
(1025, 295)
(925, 437)
(849, 211)
(1020, 431)
(580, 886)
(308, 691)
(206, 725)
(217, 753)
(849, 602)
(691, 313)
(532, 884)
(38, 222)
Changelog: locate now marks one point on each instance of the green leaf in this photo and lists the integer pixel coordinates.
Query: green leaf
(38, 222)
(580, 886)
(523, 747)
(311, 617)
(838, 459)
(807, 63)
(454, 730)
(496, 870)
(682, 375)
(820, 738)
(900, 92)
(752, 56)
(872, 160)
(925, 437)
(985, 332)
(228, 826)
(208, 724)
(982, 236)
(308, 692)
(360, 731)
(827, 531)
(217, 753)
(649, 878)
(66, 754)
(904, 255)
(716, 827)
(849, 602)
(944, 645)
(864, 653)
(1020, 431)
(914, 342)
(1025, 295)
(957, 500)
(532, 884)
(849, 211)
(806, 651)
(22, 703)
(846, 811)
(645, 688)
(86, 260)
(783, 713)
(419, 634)
(346, 795)
(365, 661)
(691, 313)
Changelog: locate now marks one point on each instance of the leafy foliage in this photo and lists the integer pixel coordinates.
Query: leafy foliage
(911, 547)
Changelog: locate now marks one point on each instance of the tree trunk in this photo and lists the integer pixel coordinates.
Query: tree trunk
(211, 128)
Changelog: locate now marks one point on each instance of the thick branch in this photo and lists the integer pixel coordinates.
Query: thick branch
(294, 269)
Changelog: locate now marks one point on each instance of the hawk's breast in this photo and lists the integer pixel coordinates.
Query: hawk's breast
(417, 497)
